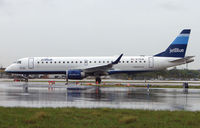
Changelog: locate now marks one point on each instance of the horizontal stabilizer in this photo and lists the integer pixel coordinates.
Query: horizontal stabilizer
(186, 59)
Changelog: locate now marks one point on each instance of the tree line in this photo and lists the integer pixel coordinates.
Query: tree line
(174, 74)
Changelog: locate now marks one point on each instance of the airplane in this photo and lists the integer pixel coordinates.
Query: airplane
(81, 67)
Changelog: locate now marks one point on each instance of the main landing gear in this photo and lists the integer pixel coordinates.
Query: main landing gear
(98, 80)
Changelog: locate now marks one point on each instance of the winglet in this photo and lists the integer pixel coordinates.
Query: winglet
(117, 60)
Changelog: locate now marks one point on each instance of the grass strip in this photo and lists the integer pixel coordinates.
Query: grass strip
(96, 118)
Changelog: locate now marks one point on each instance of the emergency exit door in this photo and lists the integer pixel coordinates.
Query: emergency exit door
(31, 63)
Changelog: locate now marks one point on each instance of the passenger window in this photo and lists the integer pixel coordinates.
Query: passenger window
(107, 61)
(47, 62)
(99, 61)
(94, 61)
(90, 61)
(51, 62)
(55, 62)
(103, 61)
(131, 61)
(127, 61)
(76, 61)
(80, 61)
(72, 62)
(38, 62)
(63, 62)
(67, 61)
(59, 62)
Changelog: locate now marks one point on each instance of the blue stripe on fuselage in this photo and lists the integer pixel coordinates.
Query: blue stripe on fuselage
(64, 72)
(125, 71)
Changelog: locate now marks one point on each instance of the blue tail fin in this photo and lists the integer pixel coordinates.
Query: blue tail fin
(178, 46)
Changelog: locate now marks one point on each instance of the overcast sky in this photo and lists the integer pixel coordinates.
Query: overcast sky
(95, 27)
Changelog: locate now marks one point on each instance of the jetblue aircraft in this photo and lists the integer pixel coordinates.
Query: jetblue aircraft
(82, 67)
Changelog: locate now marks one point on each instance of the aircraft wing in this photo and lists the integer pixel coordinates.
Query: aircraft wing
(102, 68)
(186, 59)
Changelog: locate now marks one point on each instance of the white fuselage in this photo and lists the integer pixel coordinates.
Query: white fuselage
(81, 67)
(59, 65)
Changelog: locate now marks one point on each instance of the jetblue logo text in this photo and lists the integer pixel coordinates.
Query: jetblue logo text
(46, 59)
(175, 50)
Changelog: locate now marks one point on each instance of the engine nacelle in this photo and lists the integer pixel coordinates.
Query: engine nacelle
(75, 74)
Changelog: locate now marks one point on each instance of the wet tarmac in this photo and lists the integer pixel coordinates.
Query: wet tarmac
(35, 94)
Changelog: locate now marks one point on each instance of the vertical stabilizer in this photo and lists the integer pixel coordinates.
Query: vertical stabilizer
(178, 46)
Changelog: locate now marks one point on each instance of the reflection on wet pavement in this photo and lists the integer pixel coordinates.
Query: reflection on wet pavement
(42, 95)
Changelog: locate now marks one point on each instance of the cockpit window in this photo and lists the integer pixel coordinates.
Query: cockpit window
(19, 62)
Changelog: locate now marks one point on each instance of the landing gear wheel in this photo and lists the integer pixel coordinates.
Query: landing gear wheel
(98, 80)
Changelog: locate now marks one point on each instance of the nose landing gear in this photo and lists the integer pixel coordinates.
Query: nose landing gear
(25, 76)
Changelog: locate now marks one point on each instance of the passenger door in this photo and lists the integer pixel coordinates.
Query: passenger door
(31, 63)
(151, 62)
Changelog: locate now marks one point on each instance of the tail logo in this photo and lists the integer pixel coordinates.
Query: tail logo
(176, 50)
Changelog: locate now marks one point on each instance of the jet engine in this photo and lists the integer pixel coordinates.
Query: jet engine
(75, 74)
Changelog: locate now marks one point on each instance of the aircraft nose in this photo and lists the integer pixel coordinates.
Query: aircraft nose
(8, 69)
